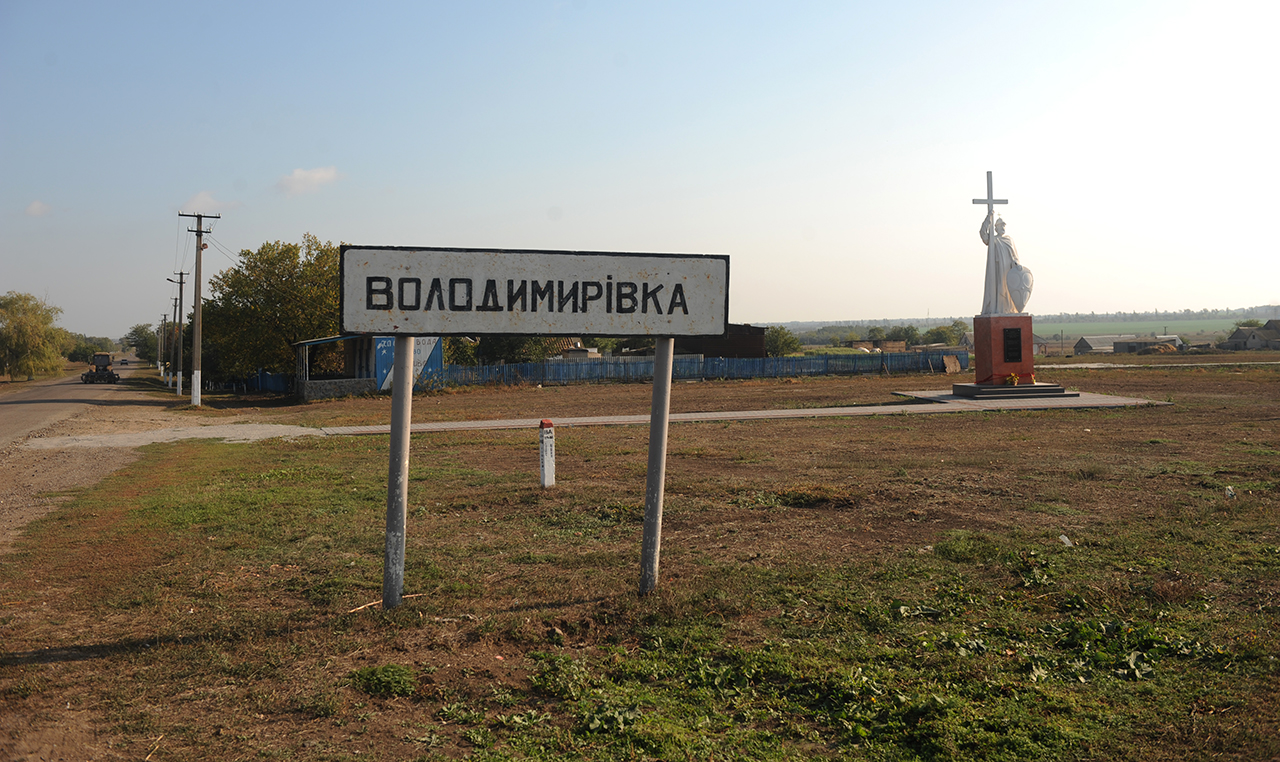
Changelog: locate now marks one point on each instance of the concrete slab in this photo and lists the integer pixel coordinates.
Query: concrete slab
(927, 403)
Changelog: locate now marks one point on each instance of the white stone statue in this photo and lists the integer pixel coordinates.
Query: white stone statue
(1008, 283)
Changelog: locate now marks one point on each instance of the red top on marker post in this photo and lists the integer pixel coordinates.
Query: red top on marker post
(546, 424)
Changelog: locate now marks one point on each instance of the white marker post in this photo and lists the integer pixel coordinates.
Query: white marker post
(405, 292)
(547, 453)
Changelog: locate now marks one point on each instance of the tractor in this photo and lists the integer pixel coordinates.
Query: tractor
(101, 372)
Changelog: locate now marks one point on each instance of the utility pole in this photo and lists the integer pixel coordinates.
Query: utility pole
(177, 324)
(173, 328)
(195, 303)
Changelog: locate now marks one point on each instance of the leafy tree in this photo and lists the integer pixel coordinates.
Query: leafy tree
(778, 341)
(276, 296)
(83, 347)
(939, 335)
(492, 349)
(459, 351)
(1249, 323)
(875, 333)
(30, 342)
(908, 333)
(142, 337)
(950, 335)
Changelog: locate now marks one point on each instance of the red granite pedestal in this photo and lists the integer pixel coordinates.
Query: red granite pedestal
(1002, 347)
(1002, 361)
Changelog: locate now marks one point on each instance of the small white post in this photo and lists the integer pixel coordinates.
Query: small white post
(547, 452)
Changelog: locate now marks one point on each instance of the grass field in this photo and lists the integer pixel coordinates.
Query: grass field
(1138, 328)
(887, 588)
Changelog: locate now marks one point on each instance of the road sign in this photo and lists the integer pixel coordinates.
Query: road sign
(475, 292)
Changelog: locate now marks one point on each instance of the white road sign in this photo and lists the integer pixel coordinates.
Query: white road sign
(471, 292)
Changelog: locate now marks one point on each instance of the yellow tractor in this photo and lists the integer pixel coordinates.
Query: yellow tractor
(101, 372)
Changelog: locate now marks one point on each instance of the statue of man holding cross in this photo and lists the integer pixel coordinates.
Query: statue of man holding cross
(1008, 283)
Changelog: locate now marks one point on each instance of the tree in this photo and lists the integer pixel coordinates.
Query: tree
(1249, 323)
(906, 333)
(30, 343)
(459, 351)
(83, 347)
(492, 349)
(939, 335)
(272, 298)
(875, 333)
(142, 337)
(778, 342)
(951, 335)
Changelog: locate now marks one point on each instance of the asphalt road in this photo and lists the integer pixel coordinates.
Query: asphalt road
(45, 403)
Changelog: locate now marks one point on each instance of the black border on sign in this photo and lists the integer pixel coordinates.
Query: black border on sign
(342, 263)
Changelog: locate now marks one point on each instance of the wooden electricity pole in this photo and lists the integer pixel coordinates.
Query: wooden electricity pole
(195, 303)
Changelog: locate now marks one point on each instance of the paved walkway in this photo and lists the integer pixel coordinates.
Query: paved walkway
(922, 403)
(929, 403)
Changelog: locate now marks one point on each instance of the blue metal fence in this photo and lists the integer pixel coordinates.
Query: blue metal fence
(589, 371)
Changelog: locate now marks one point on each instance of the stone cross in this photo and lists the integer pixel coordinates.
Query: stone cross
(989, 200)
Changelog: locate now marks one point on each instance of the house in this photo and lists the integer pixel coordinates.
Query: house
(740, 340)
(1039, 345)
(1100, 344)
(1266, 337)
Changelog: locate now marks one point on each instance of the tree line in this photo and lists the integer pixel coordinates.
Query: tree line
(32, 343)
(842, 335)
(283, 293)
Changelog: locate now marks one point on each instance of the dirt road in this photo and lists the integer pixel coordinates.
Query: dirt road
(30, 480)
(44, 403)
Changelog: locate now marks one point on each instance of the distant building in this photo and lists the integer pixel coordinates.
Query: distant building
(1266, 337)
(367, 365)
(739, 341)
(1039, 345)
(1135, 345)
(1100, 344)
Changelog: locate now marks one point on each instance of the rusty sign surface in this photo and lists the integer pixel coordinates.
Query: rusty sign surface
(473, 292)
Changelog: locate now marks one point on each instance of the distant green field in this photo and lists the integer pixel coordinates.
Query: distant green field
(1137, 327)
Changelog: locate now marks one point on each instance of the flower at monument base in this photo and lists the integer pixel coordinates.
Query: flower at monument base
(1011, 379)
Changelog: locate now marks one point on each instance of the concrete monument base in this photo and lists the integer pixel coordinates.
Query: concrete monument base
(1005, 391)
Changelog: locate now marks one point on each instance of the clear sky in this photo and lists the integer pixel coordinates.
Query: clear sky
(831, 149)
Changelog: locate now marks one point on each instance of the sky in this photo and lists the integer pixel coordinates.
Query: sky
(831, 149)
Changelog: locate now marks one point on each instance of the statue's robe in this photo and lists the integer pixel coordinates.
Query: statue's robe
(1002, 255)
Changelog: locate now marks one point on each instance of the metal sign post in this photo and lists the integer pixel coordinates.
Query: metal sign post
(656, 476)
(406, 292)
(398, 474)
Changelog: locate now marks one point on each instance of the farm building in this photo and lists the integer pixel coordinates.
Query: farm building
(1266, 337)
(1100, 344)
(1131, 346)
